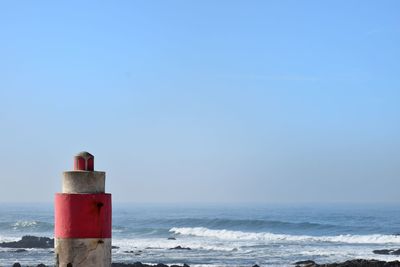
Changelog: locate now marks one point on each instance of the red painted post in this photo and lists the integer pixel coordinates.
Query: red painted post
(83, 217)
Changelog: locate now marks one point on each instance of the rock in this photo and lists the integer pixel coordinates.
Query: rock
(353, 263)
(181, 248)
(139, 264)
(19, 265)
(306, 263)
(114, 247)
(20, 250)
(256, 265)
(387, 251)
(30, 242)
(382, 251)
(117, 264)
(171, 238)
(136, 264)
(137, 253)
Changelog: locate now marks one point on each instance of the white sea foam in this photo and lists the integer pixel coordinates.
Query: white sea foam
(24, 224)
(8, 238)
(164, 244)
(270, 237)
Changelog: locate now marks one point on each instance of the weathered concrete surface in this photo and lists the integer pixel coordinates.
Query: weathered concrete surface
(87, 252)
(83, 182)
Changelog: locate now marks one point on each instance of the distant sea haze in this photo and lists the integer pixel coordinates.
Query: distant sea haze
(222, 235)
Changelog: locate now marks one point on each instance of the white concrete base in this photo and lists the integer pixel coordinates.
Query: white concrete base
(83, 252)
(83, 182)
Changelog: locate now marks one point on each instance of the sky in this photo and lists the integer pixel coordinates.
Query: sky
(203, 101)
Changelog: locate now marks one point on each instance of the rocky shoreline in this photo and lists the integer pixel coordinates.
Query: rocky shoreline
(45, 243)
(308, 263)
(29, 241)
(136, 264)
(350, 263)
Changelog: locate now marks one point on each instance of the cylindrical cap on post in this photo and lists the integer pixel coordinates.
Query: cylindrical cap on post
(84, 161)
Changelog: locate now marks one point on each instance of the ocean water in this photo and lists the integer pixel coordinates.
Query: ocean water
(222, 235)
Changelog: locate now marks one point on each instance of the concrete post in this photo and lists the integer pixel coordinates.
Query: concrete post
(83, 217)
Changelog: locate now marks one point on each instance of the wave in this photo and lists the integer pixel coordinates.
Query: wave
(26, 225)
(150, 244)
(258, 224)
(276, 238)
(235, 224)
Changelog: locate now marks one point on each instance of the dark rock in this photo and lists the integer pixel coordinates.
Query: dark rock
(19, 265)
(30, 242)
(114, 247)
(171, 238)
(387, 251)
(382, 251)
(136, 264)
(354, 263)
(139, 264)
(181, 248)
(256, 265)
(307, 263)
(137, 253)
(20, 250)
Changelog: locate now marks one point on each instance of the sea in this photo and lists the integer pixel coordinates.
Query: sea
(222, 235)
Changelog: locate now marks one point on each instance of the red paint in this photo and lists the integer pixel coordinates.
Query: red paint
(83, 216)
(79, 164)
(84, 162)
(90, 164)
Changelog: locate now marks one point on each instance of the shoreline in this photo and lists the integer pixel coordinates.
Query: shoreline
(307, 263)
(27, 242)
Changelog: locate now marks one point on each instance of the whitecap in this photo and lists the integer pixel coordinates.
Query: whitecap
(271, 237)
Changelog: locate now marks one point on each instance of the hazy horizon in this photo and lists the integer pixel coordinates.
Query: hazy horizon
(199, 102)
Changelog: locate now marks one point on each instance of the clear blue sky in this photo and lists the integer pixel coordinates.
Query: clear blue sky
(203, 101)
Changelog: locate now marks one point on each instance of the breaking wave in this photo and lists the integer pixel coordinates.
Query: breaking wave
(245, 224)
(26, 225)
(276, 238)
